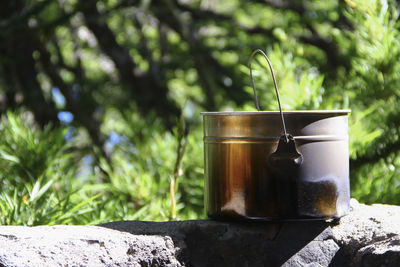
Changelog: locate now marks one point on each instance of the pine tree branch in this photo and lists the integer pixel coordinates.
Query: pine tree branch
(389, 149)
(144, 89)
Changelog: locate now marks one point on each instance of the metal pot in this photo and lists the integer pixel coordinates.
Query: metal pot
(271, 165)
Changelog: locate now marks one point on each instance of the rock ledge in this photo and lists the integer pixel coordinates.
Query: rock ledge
(369, 236)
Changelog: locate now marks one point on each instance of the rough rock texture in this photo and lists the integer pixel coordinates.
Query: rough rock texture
(82, 246)
(369, 236)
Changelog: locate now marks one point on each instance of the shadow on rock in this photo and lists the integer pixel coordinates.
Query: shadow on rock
(216, 243)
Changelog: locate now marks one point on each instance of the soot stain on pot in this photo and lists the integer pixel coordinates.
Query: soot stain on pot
(286, 195)
(302, 199)
(297, 196)
(252, 188)
(284, 164)
(241, 185)
(318, 197)
(262, 199)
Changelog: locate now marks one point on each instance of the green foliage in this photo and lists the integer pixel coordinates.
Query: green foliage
(379, 183)
(126, 68)
(37, 170)
(58, 190)
(373, 83)
(299, 84)
(144, 165)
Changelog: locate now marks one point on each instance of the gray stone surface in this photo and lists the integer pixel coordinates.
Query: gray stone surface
(82, 246)
(369, 236)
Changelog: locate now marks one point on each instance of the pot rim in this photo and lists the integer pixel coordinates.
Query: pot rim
(296, 112)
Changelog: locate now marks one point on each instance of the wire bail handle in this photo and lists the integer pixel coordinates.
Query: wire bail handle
(276, 88)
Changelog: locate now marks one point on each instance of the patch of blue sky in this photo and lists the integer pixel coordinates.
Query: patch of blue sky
(65, 117)
(115, 139)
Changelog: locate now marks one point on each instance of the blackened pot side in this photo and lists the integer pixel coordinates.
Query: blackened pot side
(241, 181)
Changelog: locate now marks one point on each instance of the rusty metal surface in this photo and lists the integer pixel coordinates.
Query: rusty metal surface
(240, 183)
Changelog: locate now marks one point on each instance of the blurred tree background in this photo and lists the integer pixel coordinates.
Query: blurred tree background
(100, 100)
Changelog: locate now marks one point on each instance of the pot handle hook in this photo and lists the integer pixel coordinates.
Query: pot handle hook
(276, 89)
(286, 158)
